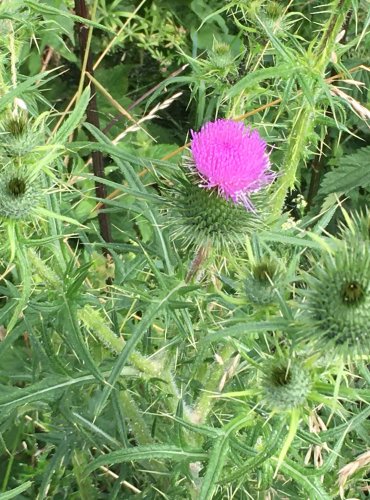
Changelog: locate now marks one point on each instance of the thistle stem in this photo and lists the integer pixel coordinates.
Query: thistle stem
(304, 123)
(92, 320)
(206, 400)
(134, 416)
(201, 256)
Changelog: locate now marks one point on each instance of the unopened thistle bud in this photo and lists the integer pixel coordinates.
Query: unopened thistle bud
(338, 300)
(17, 136)
(201, 217)
(357, 227)
(286, 385)
(261, 282)
(220, 55)
(274, 10)
(18, 194)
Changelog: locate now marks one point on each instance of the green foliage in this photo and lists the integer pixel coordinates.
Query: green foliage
(156, 340)
(350, 172)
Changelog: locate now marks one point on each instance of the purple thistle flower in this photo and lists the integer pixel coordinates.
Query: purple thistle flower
(232, 157)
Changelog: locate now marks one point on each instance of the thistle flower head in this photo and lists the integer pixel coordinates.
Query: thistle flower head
(338, 299)
(231, 158)
(286, 385)
(18, 194)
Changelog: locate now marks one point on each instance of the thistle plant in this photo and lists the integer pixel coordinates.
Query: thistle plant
(119, 378)
(220, 55)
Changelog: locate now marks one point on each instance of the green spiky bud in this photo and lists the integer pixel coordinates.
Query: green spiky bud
(17, 136)
(338, 300)
(202, 217)
(357, 227)
(260, 284)
(274, 10)
(18, 194)
(286, 385)
(220, 55)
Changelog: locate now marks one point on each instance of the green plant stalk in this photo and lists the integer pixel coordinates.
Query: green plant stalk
(134, 416)
(305, 122)
(13, 63)
(297, 142)
(11, 459)
(93, 321)
(25, 275)
(206, 399)
(42, 269)
(139, 429)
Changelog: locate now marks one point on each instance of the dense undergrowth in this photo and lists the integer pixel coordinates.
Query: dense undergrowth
(158, 338)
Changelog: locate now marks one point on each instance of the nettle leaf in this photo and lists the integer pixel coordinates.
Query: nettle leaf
(352, 172)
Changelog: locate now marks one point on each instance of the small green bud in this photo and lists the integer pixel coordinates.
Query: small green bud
(338, 299)
(17, 136)
(260, 284)
(286, 385)
(274, 10)
(18, 195)
(220, 55)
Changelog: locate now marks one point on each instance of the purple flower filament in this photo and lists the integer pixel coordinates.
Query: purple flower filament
(232, 157)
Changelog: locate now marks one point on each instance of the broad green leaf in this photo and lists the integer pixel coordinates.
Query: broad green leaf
(352, 172)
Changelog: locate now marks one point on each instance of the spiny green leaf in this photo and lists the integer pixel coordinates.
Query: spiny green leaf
(48, 9)
(74, 119)
(281, 71)
(215, 465)
(159, 452)
(15, 492)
